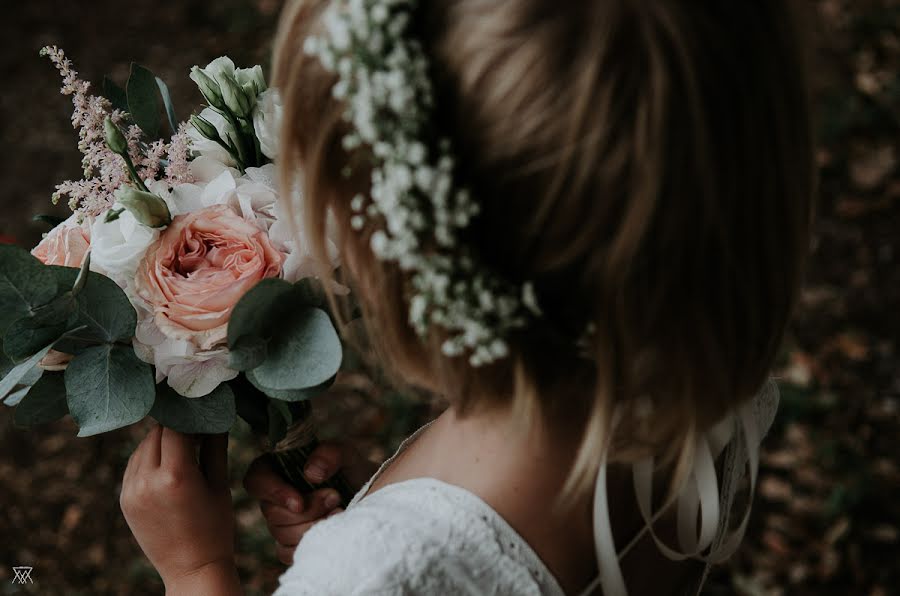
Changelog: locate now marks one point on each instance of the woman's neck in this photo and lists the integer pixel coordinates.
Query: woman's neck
(519, 471)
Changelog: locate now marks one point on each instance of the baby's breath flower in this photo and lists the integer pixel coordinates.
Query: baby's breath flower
(383, 80)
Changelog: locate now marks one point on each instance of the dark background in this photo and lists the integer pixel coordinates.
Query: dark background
(827, 516)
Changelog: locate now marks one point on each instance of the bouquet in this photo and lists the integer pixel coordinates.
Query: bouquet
(177, 288)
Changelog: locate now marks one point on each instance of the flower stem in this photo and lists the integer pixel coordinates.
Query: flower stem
(292, 454)
(133, 172)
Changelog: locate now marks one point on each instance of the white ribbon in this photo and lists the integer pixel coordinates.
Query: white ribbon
(701, 495)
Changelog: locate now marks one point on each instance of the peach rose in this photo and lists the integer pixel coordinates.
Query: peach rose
(199, 268)
(65, 245)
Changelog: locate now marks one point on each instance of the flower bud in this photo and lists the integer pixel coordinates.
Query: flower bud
(206, 128)
(115, 140)
(208, 87)
(252, 80)
(236, 98)
(147, 208)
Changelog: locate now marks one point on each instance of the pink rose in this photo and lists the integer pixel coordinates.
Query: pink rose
(199, 268)
(65, 245)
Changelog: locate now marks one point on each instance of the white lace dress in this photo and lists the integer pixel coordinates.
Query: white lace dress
(424, 536)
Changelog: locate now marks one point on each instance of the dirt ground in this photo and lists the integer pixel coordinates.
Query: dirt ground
(827, 519)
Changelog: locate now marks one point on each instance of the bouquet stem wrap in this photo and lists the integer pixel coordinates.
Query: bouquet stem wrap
(292, 453)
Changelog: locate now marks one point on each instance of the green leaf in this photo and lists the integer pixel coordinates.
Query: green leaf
(258, 313)
(50, 220)
(27, 336)
(305, 353)
(20, 372)
(6, 364)
(115, 94)
(25, 284)
(143, 106)
(167, 103)
(279, 420)
(108, 388)
(45, 402)
(210, 414)
(103, 314)
(16, 396)
(290, 395)
(248, 353)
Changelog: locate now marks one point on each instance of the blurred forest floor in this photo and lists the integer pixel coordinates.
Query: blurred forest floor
(827, 518)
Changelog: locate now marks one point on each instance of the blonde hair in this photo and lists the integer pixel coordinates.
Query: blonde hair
(647, 164)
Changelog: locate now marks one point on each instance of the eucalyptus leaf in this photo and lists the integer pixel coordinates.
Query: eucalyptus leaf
(20, 372)
(289, 395)
(305, 353)
(26, 336)
(108, 388)
(210, 414)
(167, 103)
(115, 94)
(25, 284)
(45, 402)
(105, 311)
(248, 353)
(6, 364)
(143, 106)
(259, 311)
(50, 220)
(17, 396)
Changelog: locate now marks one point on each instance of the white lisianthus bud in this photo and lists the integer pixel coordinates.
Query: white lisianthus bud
(252, 80)
(208, 87)
(115, 140)
(205, 127)
(146, 207)
(236, 99)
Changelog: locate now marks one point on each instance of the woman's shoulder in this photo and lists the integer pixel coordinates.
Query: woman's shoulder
(418, 536)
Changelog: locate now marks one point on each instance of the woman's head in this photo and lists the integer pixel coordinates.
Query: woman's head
(646, 165)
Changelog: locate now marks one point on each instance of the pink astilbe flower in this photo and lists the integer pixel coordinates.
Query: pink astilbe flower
(105, 171)
(179, 153)
(150, 168)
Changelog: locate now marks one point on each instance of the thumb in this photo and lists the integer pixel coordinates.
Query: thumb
(214, 460)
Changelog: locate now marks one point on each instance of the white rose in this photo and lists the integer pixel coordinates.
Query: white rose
(191, 372)
(118, 246)
(212, 149)
(252, 195)
(300, 262)
(267, 122)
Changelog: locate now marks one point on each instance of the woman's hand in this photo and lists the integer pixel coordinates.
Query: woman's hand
(290, 514)
(180, 511)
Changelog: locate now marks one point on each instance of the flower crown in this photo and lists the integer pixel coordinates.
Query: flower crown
(382, 76)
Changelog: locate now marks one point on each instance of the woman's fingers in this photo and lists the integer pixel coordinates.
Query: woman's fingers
(324, 462)
(276, 515)
(320, 503)
(148, 452)
(177, 450)
(284, 553)
(264, 484)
